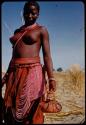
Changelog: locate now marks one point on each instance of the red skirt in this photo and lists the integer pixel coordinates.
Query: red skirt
(25, 84)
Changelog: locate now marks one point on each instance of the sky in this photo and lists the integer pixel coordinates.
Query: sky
(64, 22)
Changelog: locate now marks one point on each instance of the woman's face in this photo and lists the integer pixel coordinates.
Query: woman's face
(31, 14)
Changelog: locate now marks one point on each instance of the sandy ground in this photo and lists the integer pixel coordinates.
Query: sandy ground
(72, 98)
(71, 94)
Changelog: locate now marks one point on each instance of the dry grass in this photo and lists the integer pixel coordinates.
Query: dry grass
(71, 94)
(77, 80)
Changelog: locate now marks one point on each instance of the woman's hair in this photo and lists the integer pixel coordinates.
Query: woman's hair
(31, 2)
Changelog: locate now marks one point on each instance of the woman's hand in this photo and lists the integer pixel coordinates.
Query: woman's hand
(52, 85)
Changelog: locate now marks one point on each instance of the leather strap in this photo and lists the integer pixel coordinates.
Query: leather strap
(19, 39)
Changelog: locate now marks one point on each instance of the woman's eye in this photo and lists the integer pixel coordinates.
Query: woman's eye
(35, 14)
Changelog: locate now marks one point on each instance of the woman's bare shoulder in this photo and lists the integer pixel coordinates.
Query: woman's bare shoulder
(43, 29)
(18, 29)
(41, 26)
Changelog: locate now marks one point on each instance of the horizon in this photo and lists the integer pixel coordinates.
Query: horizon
(73, 65)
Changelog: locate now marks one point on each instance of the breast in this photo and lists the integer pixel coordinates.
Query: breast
(30, 39)
(14, 38)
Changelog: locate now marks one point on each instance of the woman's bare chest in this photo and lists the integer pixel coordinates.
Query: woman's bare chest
(28, 38)
(31, 37)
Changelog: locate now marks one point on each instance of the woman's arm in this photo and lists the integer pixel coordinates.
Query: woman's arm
(47, 58)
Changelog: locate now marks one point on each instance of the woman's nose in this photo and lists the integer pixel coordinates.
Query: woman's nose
(30, 15)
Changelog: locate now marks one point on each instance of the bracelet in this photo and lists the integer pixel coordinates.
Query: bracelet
(52, 79)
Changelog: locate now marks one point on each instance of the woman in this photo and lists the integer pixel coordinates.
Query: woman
(24, 79)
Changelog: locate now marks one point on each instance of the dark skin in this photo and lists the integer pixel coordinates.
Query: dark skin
(33, 40)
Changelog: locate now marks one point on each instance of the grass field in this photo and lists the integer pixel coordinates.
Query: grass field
(71, 94)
